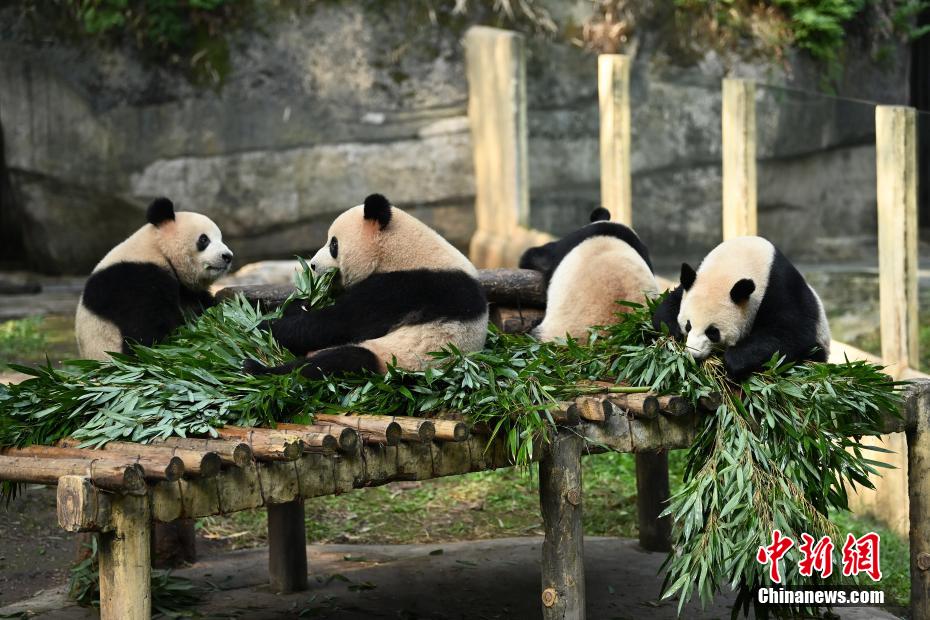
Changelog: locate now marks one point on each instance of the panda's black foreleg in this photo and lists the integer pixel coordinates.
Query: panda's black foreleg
(329, 362)
(753, 352)
(666, 313)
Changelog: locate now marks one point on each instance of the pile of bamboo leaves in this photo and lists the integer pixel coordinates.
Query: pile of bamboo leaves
(782, 450)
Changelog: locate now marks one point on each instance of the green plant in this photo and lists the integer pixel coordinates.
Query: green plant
(20, 337)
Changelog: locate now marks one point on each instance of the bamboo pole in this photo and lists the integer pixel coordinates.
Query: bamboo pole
(106, 474)
(155, 468)
(125, 561)
(372, 428)
(738, 119)
(560, 488)
(266, 444)
(613, 85)
(230, 451)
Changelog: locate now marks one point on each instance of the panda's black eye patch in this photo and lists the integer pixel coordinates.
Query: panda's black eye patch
(712, 333)
(334, 247)
(202, 242)
(688, 326)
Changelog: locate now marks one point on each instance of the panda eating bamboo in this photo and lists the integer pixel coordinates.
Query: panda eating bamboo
(408, 293)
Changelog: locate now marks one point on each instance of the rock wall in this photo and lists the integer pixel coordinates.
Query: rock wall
(322, 107)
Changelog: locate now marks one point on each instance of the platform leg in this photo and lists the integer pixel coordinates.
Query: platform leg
(287, 546)
(652, 493)
(563, 549)
(918, 491)
(126, 562)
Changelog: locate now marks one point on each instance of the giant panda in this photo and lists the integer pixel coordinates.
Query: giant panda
(139, 291)
(748, 299)
(587, 272)
(408, 292)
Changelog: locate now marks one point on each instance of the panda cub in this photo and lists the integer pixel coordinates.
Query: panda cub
(748, 299)
(408, 292)
(587, 272)
(141, 288)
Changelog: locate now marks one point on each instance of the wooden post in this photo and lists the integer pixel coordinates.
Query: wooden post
(738, 117)
(896, 177)
(563, 549)
(287, 546)
(496, 71)
(125, 561)
(918, 483)
(652, 493)
(613, 86)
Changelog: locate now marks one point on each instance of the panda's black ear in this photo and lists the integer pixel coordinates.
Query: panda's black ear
(160, 211)
(687, 276)
(742, 290)
(600, 215)
(378, 208)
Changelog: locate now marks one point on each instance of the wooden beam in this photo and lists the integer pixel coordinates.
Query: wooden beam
(918, 487)
(560, 493)
(287, 546)
(125, 561)
(896, 178)
(613, 86)
(106, 474)
(230, 452)
(738, 131)
(652, 493)
(81, 507)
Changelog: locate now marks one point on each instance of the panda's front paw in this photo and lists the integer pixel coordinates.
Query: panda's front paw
(736, 367)
(254, 367)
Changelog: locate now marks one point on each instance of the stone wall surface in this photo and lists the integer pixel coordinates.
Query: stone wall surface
(323, 107)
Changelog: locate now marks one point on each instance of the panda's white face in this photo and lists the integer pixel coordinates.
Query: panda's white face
(710, 322)
(194, 247)
(351, 247)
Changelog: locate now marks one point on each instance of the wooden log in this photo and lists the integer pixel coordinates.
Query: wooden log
(710, 402)
(416, 429)
(675, 406)
(81, 507)
(566, 415)
(738, 120)
(125, 561)
(591, 408)
(637, 405)
(495, 67)
(230, 452)
(451, 430)
(560, 494)
(613, 86)
(918, 491)
(154, 468)
(652, 494)
(372, 428)
(515, 320)
(196, 463)
(287, 546)
(347, 439)
(105, 474)
(519, 288)
(266, 444)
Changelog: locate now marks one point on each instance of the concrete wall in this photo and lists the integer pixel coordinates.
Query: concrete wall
(322, 107)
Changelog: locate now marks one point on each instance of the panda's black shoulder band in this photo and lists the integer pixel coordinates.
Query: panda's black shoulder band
(378, 208)
(160, 211)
